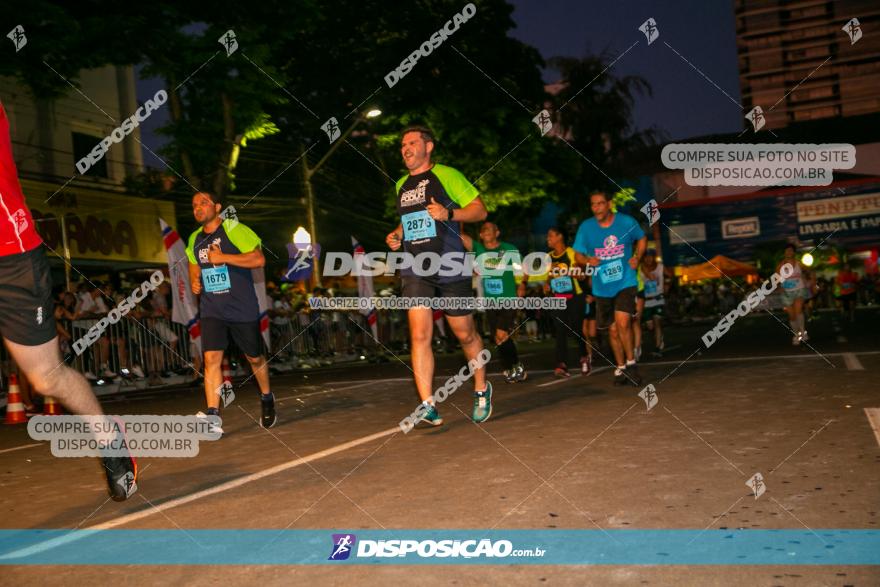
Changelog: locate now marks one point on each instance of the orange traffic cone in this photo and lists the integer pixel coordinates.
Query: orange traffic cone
(14, 408)
(51, 407)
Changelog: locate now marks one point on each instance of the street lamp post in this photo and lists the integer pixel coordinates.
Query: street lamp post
(309, 172)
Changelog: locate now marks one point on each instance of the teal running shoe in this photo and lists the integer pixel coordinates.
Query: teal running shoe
(482, 404)
(432, 417)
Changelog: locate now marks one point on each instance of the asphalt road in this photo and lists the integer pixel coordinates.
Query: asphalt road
(557, 454)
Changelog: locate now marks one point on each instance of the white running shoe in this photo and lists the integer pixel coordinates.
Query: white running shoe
(796, 339)
(214, 424)
(804, 336)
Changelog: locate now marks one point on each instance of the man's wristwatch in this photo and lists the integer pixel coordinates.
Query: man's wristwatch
(449, 214)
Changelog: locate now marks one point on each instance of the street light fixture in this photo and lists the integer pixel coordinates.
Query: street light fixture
(309, 172)
(302, 237)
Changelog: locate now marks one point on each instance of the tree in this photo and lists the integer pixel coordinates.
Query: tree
(593, 109)
(298, 64)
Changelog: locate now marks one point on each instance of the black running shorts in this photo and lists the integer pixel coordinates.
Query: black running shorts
(245, 335)
(421, 287)
(27, 312)
(624, 301)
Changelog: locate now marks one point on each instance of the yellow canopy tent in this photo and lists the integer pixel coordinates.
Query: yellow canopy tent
(718, 266)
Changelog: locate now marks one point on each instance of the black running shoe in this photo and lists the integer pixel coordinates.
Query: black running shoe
(633, 376)
(269, 417)
(620, 377)
(121, 476)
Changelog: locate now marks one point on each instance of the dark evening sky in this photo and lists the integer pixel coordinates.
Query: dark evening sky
(684, 103)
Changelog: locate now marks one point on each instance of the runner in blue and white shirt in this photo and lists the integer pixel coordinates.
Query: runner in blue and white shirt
(613, 243)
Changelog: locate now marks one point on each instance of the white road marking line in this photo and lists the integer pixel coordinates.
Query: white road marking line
(758, 358)
(575, 375)
(554, 382)
(387, 379)
(235, 483)
(852, 362)
(873, 415)
(21, 447)
(671, 348)
(325, 391)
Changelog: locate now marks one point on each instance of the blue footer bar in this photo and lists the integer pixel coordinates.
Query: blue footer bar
(406, 547)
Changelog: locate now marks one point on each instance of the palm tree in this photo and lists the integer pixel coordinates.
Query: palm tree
(594, 114)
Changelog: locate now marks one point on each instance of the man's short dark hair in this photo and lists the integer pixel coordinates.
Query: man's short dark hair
(426, 133)
(213, 197)
(608, 197)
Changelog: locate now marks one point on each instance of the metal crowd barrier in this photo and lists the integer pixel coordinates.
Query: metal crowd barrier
(308, 339)
(139, 352)
(157, 347)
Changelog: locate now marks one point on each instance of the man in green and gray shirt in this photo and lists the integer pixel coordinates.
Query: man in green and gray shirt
(433, 201)
(496, 262)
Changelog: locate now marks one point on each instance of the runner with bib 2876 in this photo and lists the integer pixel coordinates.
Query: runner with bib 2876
(433, 200)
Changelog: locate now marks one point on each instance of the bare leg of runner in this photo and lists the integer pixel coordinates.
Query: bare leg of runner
(616, 345)
(658, 332)
(623, 324)
(466, 332)
(44, 368)
(421, 327)
(636, 325)
(213, 377)
(260, 367)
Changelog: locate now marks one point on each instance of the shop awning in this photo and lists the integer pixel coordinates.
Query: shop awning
(717, 266)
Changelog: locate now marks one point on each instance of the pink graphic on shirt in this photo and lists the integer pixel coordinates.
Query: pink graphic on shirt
(610, 249)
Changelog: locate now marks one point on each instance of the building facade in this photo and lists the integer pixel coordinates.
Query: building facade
(797, 63)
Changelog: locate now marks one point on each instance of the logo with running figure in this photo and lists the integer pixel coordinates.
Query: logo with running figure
(300, 261)
(756, 117)
(331, 127)
(343, 544)
(649, 395)
(229, 42)
(18, 38)
(756, 484)
(649, 28)
(226, 393)
(19, 217)
(651, 211)
(542, 119)
(854, 30)
(127, 483)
